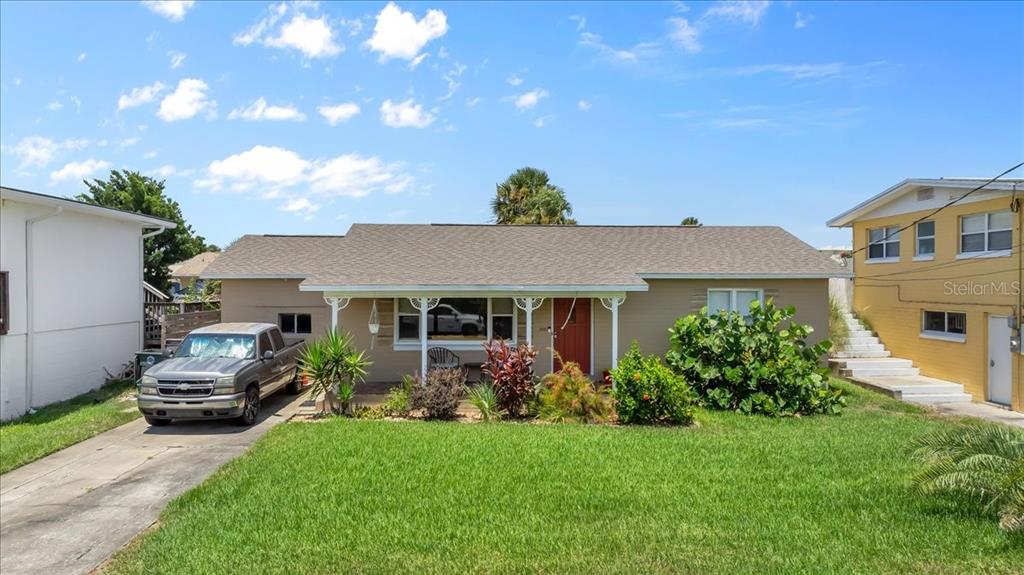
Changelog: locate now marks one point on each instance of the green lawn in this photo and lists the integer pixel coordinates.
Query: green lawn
(59, 425)
(735, 495)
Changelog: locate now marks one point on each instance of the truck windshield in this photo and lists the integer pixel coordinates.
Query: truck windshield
(208, 345)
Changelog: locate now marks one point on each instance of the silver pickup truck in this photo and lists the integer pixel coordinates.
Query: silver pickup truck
(220, 371)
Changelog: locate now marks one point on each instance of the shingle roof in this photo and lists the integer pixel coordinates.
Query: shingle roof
(194, 266)
(395, 255)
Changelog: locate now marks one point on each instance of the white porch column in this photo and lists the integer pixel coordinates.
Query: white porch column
(337, 304)
(423, 304)
(528, 304)
(612, 304)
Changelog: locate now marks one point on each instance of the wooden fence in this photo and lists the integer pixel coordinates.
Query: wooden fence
(176, 326)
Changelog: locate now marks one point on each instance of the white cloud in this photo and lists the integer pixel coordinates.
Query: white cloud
(173, 10)
(407, 114)
(81, 57)
(397, 34)
(300, 207)
(187, 100)
(165, 171)
(541, 121)
(149, 155)
(38, 151)
(472, 102)
(802, 20)
(76, 101)
(530, 99)
(453, 78)
(795, 71)
(265, 170)
(583, 105)
(684, 34)
(514, 80)
(54, 105)
(354, 26)
(744, 123)
(313, 37)
(747, 11)
(259, 110)
(641, 51)
(581, 22)
(418, 60)
(78, 170)
(139, 96)
(128, 142)
(177, 59)
(339, 113)
(17, 81)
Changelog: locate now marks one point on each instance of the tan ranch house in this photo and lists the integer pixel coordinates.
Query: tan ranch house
(585, 291)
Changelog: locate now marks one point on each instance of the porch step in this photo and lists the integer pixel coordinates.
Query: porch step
(917, 389)
(870, 363)
(864, 347)
(844, 354)
(939, 398)
(860, 333)
(861, 340)
(879, 371)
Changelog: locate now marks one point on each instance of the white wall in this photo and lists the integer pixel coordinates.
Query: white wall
(87, 302)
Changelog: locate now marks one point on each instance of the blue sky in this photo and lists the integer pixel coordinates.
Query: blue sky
(304, 118)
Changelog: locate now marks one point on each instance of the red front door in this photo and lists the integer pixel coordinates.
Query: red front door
(572, 331)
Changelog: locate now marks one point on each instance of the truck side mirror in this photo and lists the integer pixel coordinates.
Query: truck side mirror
(269, 354)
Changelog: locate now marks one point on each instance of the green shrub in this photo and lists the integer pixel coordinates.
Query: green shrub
(485, 400)
(838, 330)
(750, 365)
(982, 462)
(510, 370)
(333, 367)
(397, 402)
(646, 391)
(568, 395)
(439, 397)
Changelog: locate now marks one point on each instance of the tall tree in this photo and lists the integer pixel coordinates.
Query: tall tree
(690, 221)
(528, 197)
(133, 192)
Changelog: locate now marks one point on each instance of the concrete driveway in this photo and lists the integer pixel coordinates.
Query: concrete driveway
(68, 512)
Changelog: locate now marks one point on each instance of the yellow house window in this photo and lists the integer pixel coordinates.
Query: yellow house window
(951, 325)
(925, 240)
(884, 243)
(980, 233)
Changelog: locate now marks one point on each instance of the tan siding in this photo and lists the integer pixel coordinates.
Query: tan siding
(892, 296)
(647, 316)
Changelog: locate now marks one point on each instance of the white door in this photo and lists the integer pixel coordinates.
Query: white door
(999, 360)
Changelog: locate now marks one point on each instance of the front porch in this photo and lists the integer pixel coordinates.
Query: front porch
(403, 330)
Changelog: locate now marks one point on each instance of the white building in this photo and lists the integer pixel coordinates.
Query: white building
(70, 296)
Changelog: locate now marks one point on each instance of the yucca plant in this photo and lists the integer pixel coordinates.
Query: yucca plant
(983, 462)
(334, 367)
(483, 397)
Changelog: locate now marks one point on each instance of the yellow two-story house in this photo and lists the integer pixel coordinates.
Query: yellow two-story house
(937, 275)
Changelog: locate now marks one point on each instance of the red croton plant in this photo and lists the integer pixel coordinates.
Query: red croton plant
(511, 371)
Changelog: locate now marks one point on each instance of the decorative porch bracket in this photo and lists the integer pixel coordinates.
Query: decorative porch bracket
(337, 304)
(612, 304)
(423, 304)
(528, 304)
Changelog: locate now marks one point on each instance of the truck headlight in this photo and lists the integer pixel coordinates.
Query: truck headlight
(224, 384)
(147, 385)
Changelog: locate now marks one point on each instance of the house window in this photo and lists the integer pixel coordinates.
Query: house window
(720, 300)
(884, 243)
(295, 323)
(986, 232)
(458, 320)
(925, 239)
(5, 310)
(944, 324)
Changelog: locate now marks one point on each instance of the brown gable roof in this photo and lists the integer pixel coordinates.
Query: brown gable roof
(193, 266)
(395, 255)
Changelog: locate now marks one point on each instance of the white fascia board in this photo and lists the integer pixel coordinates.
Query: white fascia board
(846, 219)
(229, 276)
(82, 207)
(746, 276)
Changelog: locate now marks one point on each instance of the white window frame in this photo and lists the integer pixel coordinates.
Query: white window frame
(918, 256)
(414, 344)
(988, 252)
(943, 335)
(887, 239)
(295, 322)
(732, 298)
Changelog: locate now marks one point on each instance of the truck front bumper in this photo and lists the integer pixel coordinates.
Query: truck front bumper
(211, 407)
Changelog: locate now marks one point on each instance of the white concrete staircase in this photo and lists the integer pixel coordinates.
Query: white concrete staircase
(865, 360)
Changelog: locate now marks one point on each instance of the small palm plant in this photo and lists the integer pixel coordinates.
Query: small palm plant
(981, 461)
(334, 367)
(483, 397)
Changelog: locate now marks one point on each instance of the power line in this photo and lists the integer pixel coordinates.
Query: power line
(1008, 270)
(943, 265)
(937, 210)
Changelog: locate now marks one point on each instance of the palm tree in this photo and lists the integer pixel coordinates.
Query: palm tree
(690, 221)
(981, 461)
(528, 197)
(333, 367)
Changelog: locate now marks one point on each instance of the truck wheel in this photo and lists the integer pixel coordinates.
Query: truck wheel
(252, 407)
(157, 422)
(295, 385)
